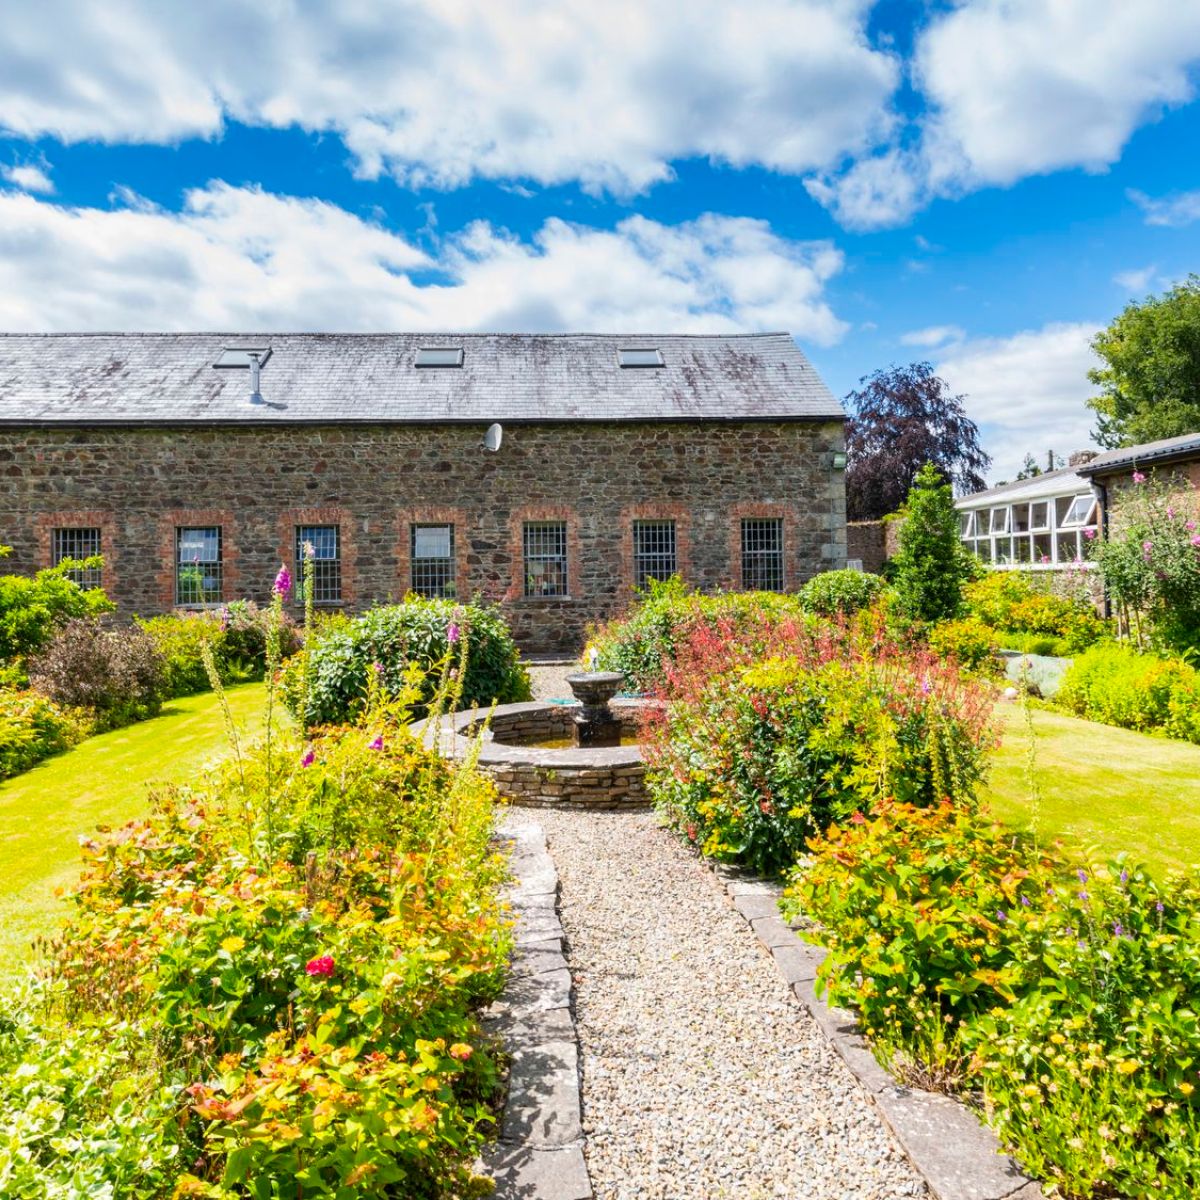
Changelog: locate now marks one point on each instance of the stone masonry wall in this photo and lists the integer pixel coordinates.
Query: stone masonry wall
(138, 484)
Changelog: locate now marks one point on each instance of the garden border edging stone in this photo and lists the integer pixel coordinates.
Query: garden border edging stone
(958, 1157)
(539, 1154)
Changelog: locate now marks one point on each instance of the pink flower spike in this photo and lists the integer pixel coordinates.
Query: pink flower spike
(377, 744)
(319, 966)
(1196, 540)
(1138, 477)
(452, 633)
(310, 757)
(283, 583)
(1090, 534)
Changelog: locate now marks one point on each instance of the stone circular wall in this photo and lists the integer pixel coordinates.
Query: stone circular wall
(531, 776)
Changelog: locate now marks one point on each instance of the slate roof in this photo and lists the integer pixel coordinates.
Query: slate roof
(136, 378)
(1147, 454)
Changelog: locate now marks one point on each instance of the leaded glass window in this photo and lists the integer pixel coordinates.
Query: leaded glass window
(653, 551)
(545, 554)
(198, 567)
(326, 544)
(432, 560)
(762, 554)
(77, 544)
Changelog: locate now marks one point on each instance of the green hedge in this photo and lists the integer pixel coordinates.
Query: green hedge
(344, 660)
(841, 593)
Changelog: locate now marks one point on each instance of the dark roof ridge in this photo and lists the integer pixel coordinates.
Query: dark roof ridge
(377, 333)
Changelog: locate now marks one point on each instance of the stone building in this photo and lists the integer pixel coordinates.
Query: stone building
(195, 463)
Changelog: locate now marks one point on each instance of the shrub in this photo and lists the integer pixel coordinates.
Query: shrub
(33, 609)
(1118, 686)
(116, 675)
(641, 644)
(840, 593)
(32, 728)
(931, 566)
(341, 659)
(970, 643)
(750, 759)
(271, 984)
(237, 634)
(1150, 562)
(1031, 617)
(1065, 991)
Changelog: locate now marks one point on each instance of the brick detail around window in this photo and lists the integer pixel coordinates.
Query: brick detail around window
(80, 518)
(462, 542)
(655, 512)
(792, 577)
(191, 518)
(544, 512)
(347, 551)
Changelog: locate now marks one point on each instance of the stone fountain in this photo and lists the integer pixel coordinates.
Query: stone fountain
(595, 723)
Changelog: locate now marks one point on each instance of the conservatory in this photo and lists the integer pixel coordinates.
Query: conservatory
(1042, 523)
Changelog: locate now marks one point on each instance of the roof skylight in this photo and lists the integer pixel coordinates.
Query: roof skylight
(239, 356)
(439, 356)
(640, 356)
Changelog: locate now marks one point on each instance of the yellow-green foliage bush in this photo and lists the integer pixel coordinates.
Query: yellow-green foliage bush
(1028, 616)
(970, 643)
(270, 987)
(1064, 992)
(33, 727)
(1118, 686)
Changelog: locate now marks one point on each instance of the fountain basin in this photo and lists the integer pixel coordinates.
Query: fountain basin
(592, 777)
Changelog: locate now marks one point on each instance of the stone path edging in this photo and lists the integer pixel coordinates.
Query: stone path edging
(958, 1157)
(539, 1155)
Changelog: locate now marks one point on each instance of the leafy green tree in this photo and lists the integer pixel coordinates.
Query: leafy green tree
(932, 565)
(33, 609)
(1151, 379)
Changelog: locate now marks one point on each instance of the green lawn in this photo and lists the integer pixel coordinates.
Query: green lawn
(1108, 788)
(105, 780)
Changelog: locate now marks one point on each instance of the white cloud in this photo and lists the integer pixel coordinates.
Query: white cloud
(1024, 87)
(244, 258)
(1027, 392)
(28, 177)
(1136, 279)
(1173, 211)
(933, 335)
(1028, 86)
(441, 91)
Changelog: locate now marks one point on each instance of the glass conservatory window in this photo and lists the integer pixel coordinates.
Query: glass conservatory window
(999, 521)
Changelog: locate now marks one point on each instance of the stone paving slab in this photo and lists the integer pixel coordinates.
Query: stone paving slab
(539, 1155)
(955, 1153)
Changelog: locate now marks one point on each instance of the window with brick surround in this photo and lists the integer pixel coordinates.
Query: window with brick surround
(762, 554)
(545, 549)
(653, 551)
(77, 544)
(432, 561)
(326, 543)
(198, 566)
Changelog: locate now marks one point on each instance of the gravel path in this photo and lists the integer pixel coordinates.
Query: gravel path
(550, 683)
(701, 1077)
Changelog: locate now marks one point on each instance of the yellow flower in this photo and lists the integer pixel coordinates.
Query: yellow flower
(1057, 1039)
(1186, 1089)
(231, 945)
(1127, 1066)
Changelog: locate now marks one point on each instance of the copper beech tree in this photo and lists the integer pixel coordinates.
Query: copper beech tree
(901, 419)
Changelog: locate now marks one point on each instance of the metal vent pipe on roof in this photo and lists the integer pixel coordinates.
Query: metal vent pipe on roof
(255, 369)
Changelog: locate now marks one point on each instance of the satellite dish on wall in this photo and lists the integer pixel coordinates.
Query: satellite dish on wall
(493, 438)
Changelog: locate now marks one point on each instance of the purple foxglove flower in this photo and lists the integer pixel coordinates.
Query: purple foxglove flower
(1118, 929)
(310, 757)
(1138, 477)
(1025, 901)
(377, 744)
(283, 583)
(1159, 906)
(452, 633)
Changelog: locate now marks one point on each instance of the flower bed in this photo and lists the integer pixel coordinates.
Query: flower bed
(764, 741)
(33, 728)
(1064, 993)
(270, 987)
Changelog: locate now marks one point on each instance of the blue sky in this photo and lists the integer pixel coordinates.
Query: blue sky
(982, 184)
